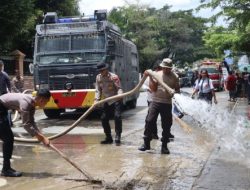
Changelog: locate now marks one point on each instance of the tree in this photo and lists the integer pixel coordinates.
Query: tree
(220, 39)
(14, 18)
(62, 7)
(237, 13)
(161, 33)
(18, 20)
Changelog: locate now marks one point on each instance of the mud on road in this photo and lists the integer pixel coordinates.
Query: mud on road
(118, 167)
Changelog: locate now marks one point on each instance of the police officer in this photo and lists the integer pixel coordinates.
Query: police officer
(161, 104)
(25, 104)
(5, 84)
(107, 85)
(18, 83)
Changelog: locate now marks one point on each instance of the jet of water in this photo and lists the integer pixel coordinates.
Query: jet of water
(228, 128)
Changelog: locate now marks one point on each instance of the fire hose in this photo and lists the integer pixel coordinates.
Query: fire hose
(89, 177)
(116, 97)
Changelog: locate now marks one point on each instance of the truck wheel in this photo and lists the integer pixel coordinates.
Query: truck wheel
(52, 113)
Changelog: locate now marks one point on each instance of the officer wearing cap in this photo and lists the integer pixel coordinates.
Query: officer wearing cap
(107, 85)
(161, 104)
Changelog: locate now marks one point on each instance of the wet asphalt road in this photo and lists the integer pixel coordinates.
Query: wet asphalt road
(196, 160)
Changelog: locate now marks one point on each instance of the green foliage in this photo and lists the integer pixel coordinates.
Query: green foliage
(237, 13)
(19, 17)
(161, 33)
(14, 16)
(220, 39)
(62, 7)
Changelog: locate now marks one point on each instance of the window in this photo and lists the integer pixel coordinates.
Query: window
(88, 41)
(53, 43)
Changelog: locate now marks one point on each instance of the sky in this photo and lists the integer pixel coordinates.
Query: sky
(88, 6)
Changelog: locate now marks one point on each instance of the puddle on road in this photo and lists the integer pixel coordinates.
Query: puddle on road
(119, 167)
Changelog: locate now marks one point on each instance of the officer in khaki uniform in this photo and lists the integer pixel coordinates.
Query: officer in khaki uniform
(25, 104)
(107, 85)
(161, 104)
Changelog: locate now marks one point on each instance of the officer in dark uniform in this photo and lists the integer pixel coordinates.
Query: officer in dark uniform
(107, 85)
(5, 84)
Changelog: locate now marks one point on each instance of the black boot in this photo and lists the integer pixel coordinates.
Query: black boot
(118, 139)
(164, 148)
(171, 136)
(11, 173)
(7, 171)
(108, 140)
(145, 146)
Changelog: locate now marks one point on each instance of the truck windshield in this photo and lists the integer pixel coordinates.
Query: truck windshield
(69, 58)
(89, 41)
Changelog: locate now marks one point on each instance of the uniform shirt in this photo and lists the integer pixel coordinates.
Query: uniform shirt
(161, 95)
(107, 86)
(204, 85)
(4, 83)
(25, 104)
(17, 84)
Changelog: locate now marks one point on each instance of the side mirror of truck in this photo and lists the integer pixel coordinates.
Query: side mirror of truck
(31, 68)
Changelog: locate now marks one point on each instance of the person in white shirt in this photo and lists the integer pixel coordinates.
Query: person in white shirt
(205, 88)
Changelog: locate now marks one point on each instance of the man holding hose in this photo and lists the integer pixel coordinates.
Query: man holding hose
(108, 85)
(25, 104)
(161, 104)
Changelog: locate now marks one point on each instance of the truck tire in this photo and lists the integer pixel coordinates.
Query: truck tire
(53, 113)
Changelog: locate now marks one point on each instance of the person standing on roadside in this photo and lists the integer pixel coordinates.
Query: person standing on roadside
(231, 86)
(107, 85)
(245, 75)
(5, 85)
(205, 88)
(25, 104)
(161, 104)
(17, 83)
(239, 82)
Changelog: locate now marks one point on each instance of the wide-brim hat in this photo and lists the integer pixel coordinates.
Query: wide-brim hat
(167, 63)
(102, 66)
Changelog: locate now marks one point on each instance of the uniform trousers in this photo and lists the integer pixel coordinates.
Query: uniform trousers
(165, 110)
(107, 113)
(6, 135)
